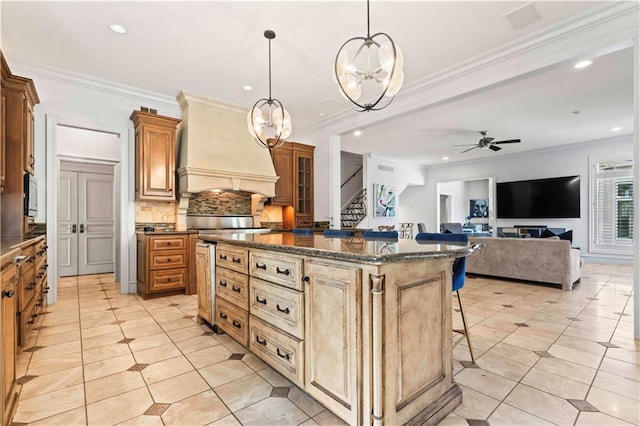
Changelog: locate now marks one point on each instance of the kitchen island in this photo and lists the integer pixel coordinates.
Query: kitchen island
(363, 326)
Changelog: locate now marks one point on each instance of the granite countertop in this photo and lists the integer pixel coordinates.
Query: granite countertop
(362, 250)
(160, 232)
(10, 246)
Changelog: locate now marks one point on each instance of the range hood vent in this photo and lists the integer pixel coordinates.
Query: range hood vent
(217, 152)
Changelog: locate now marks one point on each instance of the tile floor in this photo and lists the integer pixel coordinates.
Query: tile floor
(543, 356)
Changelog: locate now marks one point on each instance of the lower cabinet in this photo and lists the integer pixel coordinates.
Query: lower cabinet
(163, 264)
(203, 274)
(331, 338)
(9, 341)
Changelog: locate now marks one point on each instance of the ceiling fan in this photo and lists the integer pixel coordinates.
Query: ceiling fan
(487, 142)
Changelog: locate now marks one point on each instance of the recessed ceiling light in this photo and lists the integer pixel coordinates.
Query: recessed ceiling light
(445, 158)
(616, 129)
(576, 112)
(247, 88)
(357, 132)
(582, 64)
(118, 29)
(321, 114)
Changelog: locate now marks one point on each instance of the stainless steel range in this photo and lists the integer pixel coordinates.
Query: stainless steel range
(208, 224)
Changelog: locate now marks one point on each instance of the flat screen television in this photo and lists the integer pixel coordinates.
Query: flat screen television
(539, 198)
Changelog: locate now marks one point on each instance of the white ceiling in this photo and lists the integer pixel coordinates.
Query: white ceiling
(214, 48)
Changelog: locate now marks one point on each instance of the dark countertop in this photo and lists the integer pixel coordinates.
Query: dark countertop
(160, 232)
(362, 250)
(10, 246)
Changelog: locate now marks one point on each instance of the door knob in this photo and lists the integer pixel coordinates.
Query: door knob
(81, 228)
(73, 229)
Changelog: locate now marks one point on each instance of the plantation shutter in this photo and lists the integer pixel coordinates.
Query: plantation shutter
(613, 206)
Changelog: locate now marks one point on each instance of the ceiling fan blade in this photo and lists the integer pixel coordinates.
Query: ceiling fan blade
(488, 139)
(494, 148)
(509, 141)
(467, 150)
(468, 144)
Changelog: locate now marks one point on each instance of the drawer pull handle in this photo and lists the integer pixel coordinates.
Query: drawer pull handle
(236, 324)
(223, 283)
(223, 256)
(223, 315)
(283, 355)
(236, 289)
(305, 279)
(262, 342)
(263, 266)
(283, 271)
(169, 280)
(236, 259)
(168, 260)
(31, 321)
(263, 301)
(6, 293)
(285, 310)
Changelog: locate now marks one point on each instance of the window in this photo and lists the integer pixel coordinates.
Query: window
(611, 218)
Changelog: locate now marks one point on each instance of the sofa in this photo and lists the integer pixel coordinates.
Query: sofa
(545, 260)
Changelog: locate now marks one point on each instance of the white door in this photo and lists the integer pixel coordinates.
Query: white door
(86, 223)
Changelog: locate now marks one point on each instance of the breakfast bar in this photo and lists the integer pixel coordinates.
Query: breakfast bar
(362, 325)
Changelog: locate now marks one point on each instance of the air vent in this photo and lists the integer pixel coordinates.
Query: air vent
(385, 168)
(523, 16)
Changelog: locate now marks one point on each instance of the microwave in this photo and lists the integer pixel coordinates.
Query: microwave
(30, 195)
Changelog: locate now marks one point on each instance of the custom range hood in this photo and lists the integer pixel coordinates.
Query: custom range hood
(217, 152)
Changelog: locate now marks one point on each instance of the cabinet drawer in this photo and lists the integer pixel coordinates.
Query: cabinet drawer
(168, 259)
(169, 242)
(27, 288)
(233, 287)
(279, 306)
(282, 352)
(234, 258)
(233, 320)
(303, 222)
(167, 279)
(283, 270)
(40, 248)
(28, 319)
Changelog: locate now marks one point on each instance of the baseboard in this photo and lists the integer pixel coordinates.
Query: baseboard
(608, 260)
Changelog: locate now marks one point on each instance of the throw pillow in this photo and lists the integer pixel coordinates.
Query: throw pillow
(567, 236)
(547, 233)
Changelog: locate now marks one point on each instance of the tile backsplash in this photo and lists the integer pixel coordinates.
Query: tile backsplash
(155, 212)
(226, 203)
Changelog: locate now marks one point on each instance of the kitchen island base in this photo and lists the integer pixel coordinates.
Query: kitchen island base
(368, 336)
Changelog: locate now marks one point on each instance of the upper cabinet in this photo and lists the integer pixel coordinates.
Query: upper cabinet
(293, 163)
(155, 156)
(19, 97)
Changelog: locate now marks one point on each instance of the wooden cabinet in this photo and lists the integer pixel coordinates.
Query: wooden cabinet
(32, 287)
(283, 164)
(232, 292)
(163, 264)
(331, 336)
(203, 274)
(293, 163)
(19, 97)
(8, 340)
(155, 156)
(303, 185)
(2, 145)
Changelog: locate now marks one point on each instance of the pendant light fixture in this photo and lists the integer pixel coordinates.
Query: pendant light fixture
(268, 122)
(372, 71)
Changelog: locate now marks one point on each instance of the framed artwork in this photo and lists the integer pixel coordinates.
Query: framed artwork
(384, 198)
(479, 207)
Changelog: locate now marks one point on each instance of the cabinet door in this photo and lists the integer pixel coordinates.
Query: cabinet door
(157, 164)
(29, 123)
(332, 342)
(3, 145)
(9, 340)
(203, 274)
(283, 163)
(304, 183)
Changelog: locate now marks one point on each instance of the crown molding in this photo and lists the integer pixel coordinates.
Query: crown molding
(600, 30)
(106, 86)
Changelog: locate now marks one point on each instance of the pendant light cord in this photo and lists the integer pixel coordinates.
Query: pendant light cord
(368, 20)
(269, 69)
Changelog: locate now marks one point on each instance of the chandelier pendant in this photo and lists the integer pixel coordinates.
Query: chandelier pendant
(372, 73)
(268, 121)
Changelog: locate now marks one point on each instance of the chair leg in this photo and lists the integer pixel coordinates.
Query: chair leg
(466, 329)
